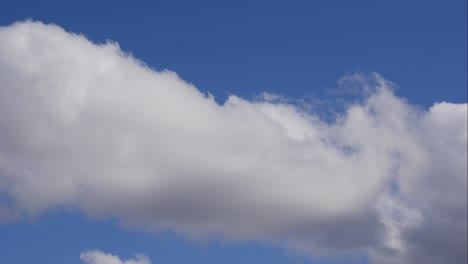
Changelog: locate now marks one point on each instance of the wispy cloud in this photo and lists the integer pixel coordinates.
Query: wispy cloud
(86, 126)
(99, 257)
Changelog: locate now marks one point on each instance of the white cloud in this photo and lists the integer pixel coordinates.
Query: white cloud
(99, 257)
(87, 127)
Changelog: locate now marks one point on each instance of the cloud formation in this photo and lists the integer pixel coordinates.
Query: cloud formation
(88, 127)
(99, 257)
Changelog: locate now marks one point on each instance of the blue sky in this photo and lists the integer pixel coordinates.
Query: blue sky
(292, 49)
(295, 49)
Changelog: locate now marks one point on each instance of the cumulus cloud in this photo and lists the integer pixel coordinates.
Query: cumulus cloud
(99, 257)
(88, 127)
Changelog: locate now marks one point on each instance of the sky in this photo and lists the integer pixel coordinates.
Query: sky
(233, 132)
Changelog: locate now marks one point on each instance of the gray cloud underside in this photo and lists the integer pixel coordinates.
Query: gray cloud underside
(87, 127)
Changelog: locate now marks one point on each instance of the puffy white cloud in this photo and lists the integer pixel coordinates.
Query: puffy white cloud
(99, 257)
(86, 126)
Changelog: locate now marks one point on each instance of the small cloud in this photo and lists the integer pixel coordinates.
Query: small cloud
(99, 257)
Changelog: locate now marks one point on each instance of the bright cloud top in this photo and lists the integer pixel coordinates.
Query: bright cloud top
(85, 126)
(99, 257)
